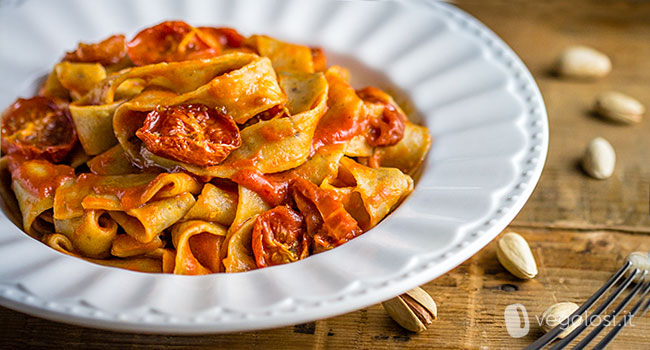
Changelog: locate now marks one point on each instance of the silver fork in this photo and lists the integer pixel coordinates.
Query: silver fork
(637, 272)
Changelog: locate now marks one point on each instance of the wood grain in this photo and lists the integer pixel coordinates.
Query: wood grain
(579, 229)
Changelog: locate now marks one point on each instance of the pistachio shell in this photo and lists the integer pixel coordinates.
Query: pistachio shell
(425, 300)
(599, 159)
(558, 313)
(406, 316)
(403, 315)
(515, 255)
(583, 62)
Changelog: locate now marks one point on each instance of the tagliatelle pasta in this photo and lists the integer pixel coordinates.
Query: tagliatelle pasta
(196, 150)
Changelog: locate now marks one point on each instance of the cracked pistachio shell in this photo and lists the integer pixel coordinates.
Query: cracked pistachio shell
(415, 319)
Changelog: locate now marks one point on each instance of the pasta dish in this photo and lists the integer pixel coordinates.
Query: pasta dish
(196, 150)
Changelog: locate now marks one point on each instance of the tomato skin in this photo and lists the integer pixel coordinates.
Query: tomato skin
(279, 237)
(171, 41)
(37, 128)
(387, 130)
(192, 133)
(106, 52)
(227, 37)
(327, 221)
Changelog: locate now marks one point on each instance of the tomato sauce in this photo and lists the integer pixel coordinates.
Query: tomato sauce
(337, 128)
(388, 128)
(205, 247)
(39, 177)
(338, 226)
(272, 188)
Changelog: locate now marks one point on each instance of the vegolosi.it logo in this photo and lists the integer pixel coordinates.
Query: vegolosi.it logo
(518, 322)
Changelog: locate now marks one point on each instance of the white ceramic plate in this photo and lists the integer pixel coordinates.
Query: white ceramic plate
(481, 104)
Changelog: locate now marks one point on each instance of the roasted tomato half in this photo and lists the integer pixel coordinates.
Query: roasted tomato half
(326, 219)
(107, 52)
(172, 41)
(193, 134)
(388, 128)
(226, 37)
(279, 237)
(37, 128)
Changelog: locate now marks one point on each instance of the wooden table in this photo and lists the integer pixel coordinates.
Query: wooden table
(580, 229)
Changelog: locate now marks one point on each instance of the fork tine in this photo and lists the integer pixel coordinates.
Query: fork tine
(624, 322)
(564, 342)
(553, 333)
(594, 333)
(646, 308)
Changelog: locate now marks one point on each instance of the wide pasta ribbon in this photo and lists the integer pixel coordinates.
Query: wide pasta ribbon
(237, 255)
(34, 184)
(94, 125)
(125, 246)
(378, 189)
(72, 80)
(198, 244)
(112, 162)
(214, 205)
(91, 234)
(408, 154)
(63, 244)
(284, 56)
(345, 116)
(145, 223)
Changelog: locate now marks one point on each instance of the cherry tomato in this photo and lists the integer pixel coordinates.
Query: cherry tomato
(227, 37)
(37, 128)
(106, 52)
(326, 218)
(388, 129)
(279, 237)
(193, 133)
(169, 42)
